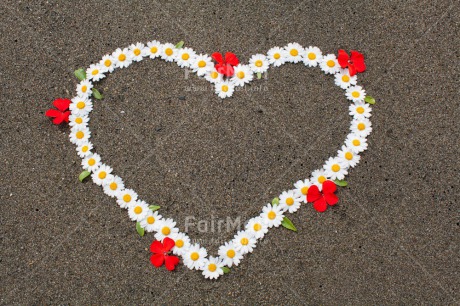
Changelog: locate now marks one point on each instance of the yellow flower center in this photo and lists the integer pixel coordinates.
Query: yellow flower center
(121, 57)
(349, 155)
(95, 72)
(289, 201)
(212, 267)
(258, 63)
(79, 134)
(185, 56)
(153, 50)
(224, 88)
(345, 78)
(360, 110)
(304, 190)
(150, 219)
(137, 52)
(127, 198)
(330, 63)
(102, 175)
(168, 51)
(81, 105)
(194, 256)
(179, 243)
(321, 179)
(84, 149)
(361, 126)
(84, 88)
(294, 52)
(201, 64)
(113, 186)
(276, 56)
(335, 167)
(356, 142)
(137, 210)
(165, 230)
(107, 63)
(244, 241)
(311, 56)
(78, 120)
(214, 74)
(355, 94)
(257, 227)
(230, 253)
(271, 215)
(240, 74)
(91, 162)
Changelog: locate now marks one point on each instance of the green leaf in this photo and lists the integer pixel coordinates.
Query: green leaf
(154, 207)
(139, 229)
(259, 75)
(97, 94)
(341, 183)
(180, 44)
(80, 74)
(369, 99)
(288, 224)
(83, 175)
(226, 270)
(275, 201)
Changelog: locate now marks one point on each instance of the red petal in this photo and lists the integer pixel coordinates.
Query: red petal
(156, 247)
(343, 58)
(230, 58)
(313, 194)
(62, 104)
(171, 262)
(320, 205)
(66, 115)
(331, 198)
(59, 119)
(351, 69)
(221, 68)
(52, 113)
(157, 260)
(168, 244)
(218, 57)
(328, 187)
(229, 71)
(358, 61)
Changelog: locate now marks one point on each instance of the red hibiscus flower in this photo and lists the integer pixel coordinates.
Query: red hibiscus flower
(61, 114)
(320, 199)
(161, 254)
(355, 62)
(225, 66)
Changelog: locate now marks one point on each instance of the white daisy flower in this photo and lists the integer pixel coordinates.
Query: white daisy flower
(150, 221)
(318, 177)
(244, 242)
(356, 143)
(256, 227)
(95, 72)
(113, 185)
(212, 268)
(243, 74)
(168, 52)
(182, 243)
(153, 49)
(289, 201)
(202, 64)
(107, 64)
(335, 169)
(79, 134)
(194, 257)
(258, 63)
(80, 106)
(302, 189)
(135, 51)
(84, 149)
(361, 127)
(229, 254)
(102, 175)
(224, 89)
(165, 228)
(272, 215)
(185, 57)
(295, 52)
(360, 110)
(138, 210)
(91, 162)
(213, 76)
(276, 56)
(122, 58)
(329, 64)
(84, 88)
(125, 197)
(78, 120)
(348, 157)
(344, 80)
(312, 56)
(355, 93)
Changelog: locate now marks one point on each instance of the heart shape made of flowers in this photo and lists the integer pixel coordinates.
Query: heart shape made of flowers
(228, 74)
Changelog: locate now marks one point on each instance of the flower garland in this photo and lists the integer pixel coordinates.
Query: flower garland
(227, 74)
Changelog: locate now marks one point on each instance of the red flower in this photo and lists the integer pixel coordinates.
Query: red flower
(320, 200)
(60, 114)
(355, 63)
(225, 66)
(161, 254)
